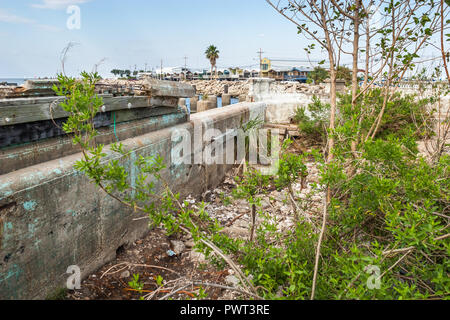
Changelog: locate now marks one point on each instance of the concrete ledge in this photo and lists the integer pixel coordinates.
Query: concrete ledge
(22, 156)
(52, 217)
(281, 108)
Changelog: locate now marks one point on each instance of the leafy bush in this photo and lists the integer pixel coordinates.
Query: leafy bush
(313, 120)
(387, 235)
(404, 115)
(318, 75)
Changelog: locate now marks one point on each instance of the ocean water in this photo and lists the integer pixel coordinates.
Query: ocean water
(219, 102)
(19, 81)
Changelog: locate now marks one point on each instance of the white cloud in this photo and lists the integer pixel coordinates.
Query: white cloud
(57, 4)
(46, 27)
(6, 16)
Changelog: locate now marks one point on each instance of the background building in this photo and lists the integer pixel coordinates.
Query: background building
(284, 70)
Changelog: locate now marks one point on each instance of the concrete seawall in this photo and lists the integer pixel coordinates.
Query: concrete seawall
(52, 217)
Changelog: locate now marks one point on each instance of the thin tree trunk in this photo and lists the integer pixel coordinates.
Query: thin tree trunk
(444, 55)
(366, 71)
(252, 230)
(355, 55)
(333, 104)
(212, 68)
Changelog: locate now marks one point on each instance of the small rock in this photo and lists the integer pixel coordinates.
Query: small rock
(280, 293)
(171, 253)
(198, 257)
(243, 210)
(207, 196)
(232, 281)
(189, 244)
(236, 232)
(125, 274)
(178, 246)
(265, 204)
(185, 255)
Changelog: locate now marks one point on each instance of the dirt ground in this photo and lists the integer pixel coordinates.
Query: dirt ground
(173, 258)
(148, 258)
(154, 256)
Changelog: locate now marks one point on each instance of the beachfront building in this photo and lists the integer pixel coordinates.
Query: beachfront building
(143, 75)
(266, 65)
(283, 71)
(299, 74)
(181, 73)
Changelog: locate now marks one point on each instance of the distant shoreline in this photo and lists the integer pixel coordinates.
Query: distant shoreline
(19, 81)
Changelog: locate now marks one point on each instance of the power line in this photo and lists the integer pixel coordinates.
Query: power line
(260, 61)
(185, 67)
(294, 60)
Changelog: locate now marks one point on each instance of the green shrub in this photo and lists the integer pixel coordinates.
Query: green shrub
(313, 120)
(387, 234)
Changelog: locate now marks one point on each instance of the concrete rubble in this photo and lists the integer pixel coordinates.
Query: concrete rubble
(276, 204)
(241, 88)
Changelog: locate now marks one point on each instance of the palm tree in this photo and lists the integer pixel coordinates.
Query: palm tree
(212, 54)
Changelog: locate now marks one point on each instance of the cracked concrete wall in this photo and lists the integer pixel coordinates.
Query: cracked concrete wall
(52, 217)
(281, 107)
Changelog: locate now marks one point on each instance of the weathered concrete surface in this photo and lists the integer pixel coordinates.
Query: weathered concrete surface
(226, 99)
(281, 107)
(52, 217)
(169, 88)
(204, 105)
(22, 156)
(212, 102)
(193, 104)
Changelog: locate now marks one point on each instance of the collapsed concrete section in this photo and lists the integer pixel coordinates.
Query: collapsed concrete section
(52, 217)
(281, 107)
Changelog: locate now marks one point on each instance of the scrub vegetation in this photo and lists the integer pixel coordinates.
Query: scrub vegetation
(383, 233)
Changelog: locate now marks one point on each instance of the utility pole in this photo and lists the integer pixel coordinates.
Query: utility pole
(260, 61)
(185, 67)
(161, 70)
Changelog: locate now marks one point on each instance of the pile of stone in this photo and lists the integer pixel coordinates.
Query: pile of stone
(235, 215)
(6, 91)
(296, 87)
(241, 88)
(217, 88)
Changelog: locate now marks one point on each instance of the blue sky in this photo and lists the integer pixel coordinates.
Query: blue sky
(135, 32)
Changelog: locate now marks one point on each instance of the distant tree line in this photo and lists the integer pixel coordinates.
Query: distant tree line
(319, 74)
(127, 73)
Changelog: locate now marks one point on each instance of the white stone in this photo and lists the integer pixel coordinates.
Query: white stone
(197, 257)
(232, 281)
(178, 246)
